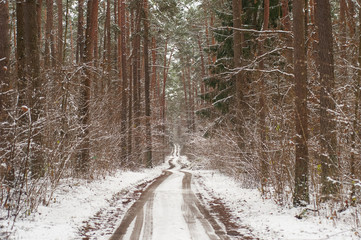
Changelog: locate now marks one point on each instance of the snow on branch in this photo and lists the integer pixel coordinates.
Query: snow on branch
(257, 31)
(267, 71)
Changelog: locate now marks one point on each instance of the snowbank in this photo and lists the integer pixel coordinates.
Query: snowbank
(268, 220)
(74, 202)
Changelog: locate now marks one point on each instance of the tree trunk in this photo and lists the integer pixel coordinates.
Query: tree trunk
(328, 140)
(29, 83)
(237, 52)
(107, 43)
(203, 71)
(85, 92)
(136, 79)
(66, 29)
(262, 102)
(148, 136)
(301, 192)
(59, 4)
(154, 71)
(5, 85)
(80, 34)
(356, 126)
(49, 37)
(124, 79)
(39, 9)
(343, 40)
(4, 59)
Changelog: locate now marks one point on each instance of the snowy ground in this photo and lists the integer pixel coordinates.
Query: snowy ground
(169, 210)
(74, 205)
(270, 221)
(85, 208)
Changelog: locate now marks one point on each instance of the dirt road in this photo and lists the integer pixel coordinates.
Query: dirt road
(168, 209)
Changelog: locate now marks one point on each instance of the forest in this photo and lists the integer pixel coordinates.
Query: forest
(265, 91)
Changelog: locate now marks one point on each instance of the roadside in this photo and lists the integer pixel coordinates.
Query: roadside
(76, 201)
(226, 198)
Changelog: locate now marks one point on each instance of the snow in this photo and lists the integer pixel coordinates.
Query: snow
(72, 205)
(76, 201)
(167, 208)
(169, 222)
(269, 220)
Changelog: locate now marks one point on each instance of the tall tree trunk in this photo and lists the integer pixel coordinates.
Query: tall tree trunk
(49, 37)
(328, 140)
(59, 4)
(39, 9)
(66, 29)
(203, 71)
(124, 79)
(20, 55)
(148, 136)
(262, 101)
(85, 92)
(154, 70)
(4, 60)
(355, 152)
(29, 83)
(137, 85)
(163, 103)
(301, 193)
(5, 86)
(107, 43)
(80, 34)
(343, 36)
(237, 52)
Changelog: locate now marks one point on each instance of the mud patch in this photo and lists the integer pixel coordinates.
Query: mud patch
(218, 210)
(105, 221)
(137, 208)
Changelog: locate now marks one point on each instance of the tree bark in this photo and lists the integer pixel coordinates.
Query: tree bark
(148, 136)
(59, 4)
(356, 126)
(5, 85)
(85, 92)
(328, 139)
(237, 52)
(39, 9)
(301, 191)
(262, 102)
(49, 37)
(29, 82)
(203, 70)
(124, 79)
(80, 34)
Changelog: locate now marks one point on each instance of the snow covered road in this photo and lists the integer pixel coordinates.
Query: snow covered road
(168, 209)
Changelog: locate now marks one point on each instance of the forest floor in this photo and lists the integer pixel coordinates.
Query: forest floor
(175, 202)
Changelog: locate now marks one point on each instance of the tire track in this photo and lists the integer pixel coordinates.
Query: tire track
(196, 211)
(148, 226)
(137, 208)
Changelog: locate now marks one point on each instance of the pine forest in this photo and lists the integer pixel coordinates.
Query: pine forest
(266, 92)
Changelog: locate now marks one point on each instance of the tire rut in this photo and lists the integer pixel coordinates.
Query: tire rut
(213, 229)
(137, 208)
